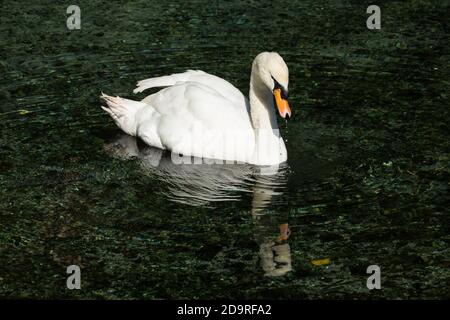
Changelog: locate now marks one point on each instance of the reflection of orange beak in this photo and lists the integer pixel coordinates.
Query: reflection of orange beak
(285, 232)
(282, 104)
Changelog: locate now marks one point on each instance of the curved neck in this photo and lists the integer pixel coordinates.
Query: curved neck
(261, 104)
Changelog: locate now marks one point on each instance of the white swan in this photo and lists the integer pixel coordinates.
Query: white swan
(202, 115)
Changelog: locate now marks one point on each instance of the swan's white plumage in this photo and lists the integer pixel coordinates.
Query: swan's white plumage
(198, 114)
(197, 76)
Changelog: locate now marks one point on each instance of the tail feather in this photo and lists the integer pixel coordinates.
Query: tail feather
(123, 111)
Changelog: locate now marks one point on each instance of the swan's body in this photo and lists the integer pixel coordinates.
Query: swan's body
(201, 115)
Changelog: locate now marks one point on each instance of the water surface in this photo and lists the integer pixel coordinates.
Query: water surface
(366, 181)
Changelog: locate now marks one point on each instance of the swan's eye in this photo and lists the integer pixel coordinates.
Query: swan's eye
(277, 85)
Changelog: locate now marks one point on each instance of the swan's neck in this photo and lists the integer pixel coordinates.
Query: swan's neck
(261, 105)
(269, 148)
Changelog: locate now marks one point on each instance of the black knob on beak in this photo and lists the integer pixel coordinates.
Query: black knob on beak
(284, 91)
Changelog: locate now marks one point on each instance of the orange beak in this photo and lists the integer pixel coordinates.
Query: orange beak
(282, 104)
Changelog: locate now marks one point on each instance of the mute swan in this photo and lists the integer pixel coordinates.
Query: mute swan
(202, 115)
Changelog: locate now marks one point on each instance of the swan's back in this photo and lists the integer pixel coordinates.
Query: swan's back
(218, 84)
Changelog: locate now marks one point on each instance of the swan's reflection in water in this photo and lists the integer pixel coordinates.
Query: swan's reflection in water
(201, 184)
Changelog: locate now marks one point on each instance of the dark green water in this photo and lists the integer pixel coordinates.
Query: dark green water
(366, 180)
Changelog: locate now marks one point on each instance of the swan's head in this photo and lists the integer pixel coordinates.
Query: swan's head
(274, 73)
